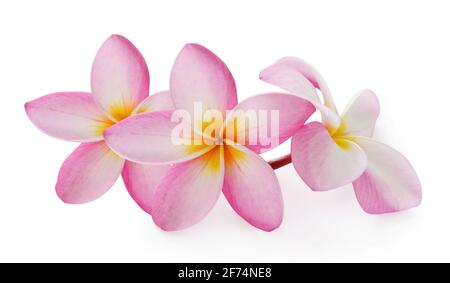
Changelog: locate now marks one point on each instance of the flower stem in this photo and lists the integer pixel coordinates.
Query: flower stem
(280, 162)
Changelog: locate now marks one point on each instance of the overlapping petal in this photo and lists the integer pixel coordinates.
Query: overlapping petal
(324, 163)
(299, 78)
(198, 75)
(71, 116)
(264, 121)
(360, 116)
(179, 183)
(312, 75)
(161, 101)
(149, 138)
(88, 173)
(120, 78)
(252, 189)
(189, 191)
(141, 181)
(289, 79)
(390, 183)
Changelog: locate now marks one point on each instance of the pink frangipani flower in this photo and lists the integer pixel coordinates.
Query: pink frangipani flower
(120, 87)
(341, 150)
(219, 163)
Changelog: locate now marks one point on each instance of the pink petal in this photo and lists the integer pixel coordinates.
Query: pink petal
(360, 116)
(147, 138)
(252, 189)
(299, 78)
(141, 181)
(285, 114)
(160, 101)
(120, 78)
(88, 173)
(189, 191)
(198, 75)
(71, 116)
(390, 183)
(312, 75)
(321, 162)
(289, 79)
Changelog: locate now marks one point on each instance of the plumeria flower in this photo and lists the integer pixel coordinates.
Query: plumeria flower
(340, 150)
(219, 162)
(120, 86)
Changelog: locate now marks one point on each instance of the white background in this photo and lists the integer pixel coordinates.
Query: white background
(400, 49)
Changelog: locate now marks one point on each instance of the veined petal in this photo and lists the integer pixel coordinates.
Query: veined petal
(360, 116)
(390, 183)
(189, 191)
(252, 189)
(160, 101)
(149, 138)
(198, 75)
(324, 163)
(297, 77)
(71, 116)
(141, 181)
(120, 78)
(88, 173)
(264, 121)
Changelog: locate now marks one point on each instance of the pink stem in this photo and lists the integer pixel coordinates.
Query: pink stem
(280, 162)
